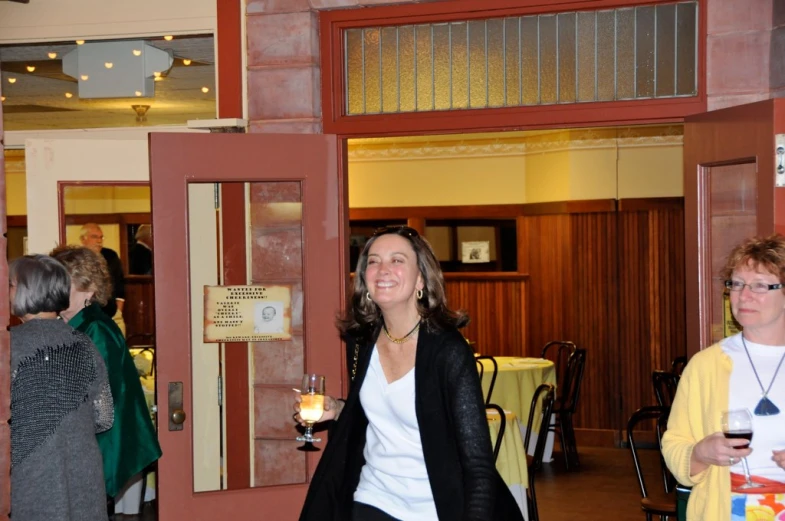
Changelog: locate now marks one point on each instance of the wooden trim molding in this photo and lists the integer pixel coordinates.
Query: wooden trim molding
(648, 204)
(569, 207)
(16, 221)
(491, 211)
(108, 218)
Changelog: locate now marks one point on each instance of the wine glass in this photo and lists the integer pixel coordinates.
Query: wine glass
(311, 408)
(737, 424)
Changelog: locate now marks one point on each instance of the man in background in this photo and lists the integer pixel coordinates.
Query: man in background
(140, 258)
(92, 237)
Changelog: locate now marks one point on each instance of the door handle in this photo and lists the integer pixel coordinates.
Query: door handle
(176, 412)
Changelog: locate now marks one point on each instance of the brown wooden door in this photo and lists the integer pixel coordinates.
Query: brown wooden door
(729, 195)
(236, 209)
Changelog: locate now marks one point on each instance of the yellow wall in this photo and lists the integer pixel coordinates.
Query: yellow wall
(111, 235)
(547, 177)
(15, 193)
(106, 199)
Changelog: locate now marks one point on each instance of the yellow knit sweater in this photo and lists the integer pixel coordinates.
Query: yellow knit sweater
(701, 397)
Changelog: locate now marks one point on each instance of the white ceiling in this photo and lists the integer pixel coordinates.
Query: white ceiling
(37, 101)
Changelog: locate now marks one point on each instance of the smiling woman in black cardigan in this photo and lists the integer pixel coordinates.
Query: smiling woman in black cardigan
(411, 441)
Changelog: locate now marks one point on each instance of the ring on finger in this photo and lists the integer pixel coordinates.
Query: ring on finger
(731, 460)
(294, 417)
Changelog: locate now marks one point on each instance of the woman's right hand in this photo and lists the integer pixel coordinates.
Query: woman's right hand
(332, 409)
(715, 449)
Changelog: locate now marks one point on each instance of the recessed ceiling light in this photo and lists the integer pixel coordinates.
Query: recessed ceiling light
(84, 77)
(186, 61)
(52, 55)
(137, 52)
(157, 74)
(138, 93)
(168, 37)
(11, 80)
(205, 90)
(69, 95)
(79, 42)
(108, 65)
(30, 68)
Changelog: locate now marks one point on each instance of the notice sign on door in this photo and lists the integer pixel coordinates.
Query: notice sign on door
(247, 313)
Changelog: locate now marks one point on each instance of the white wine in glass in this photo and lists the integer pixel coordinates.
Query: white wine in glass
(311, 408)
(737, 424)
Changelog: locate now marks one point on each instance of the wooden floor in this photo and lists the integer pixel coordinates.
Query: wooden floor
(604, 487)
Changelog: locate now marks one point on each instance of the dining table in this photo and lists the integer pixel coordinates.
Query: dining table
(516, 381)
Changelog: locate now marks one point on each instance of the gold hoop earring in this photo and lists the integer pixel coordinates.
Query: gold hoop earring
(419, 294)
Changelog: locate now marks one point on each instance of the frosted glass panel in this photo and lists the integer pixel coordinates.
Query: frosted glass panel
(407, 68)
(644, 52)
(460, 65)
(666, 50)
(478, 84)
(567, 61)
(585, 56)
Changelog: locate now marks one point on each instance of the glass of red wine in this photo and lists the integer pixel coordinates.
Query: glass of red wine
(737, 424)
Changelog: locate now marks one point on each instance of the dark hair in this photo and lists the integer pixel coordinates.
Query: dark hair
(88, 270)
(766, 253)
(42, 285)
(363, 315)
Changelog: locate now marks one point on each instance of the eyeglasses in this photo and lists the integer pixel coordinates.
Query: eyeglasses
(755, 287)
(398, 230)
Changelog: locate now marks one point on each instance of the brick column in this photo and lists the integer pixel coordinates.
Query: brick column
(745, 51)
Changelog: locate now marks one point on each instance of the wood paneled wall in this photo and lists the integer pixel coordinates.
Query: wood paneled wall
(139, 307)
(497, 309)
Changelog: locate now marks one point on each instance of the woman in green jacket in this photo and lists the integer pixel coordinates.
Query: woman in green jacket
(132, 443)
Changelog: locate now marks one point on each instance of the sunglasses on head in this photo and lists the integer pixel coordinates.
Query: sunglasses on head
(398, 230)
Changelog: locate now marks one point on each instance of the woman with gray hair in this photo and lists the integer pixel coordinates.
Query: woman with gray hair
(60, 399)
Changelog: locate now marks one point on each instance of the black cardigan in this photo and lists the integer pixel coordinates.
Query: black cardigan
(453, 430)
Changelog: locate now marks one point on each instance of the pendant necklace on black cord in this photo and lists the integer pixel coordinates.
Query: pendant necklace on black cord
(765, 406)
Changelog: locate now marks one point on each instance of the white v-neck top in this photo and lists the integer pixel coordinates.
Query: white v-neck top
(768, 431)
(394, 478)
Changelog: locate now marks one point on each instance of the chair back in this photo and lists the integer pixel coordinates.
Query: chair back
(659, 414)
(677, 366)
(665, 384)
(502, 426)
(568, 399)
(559, 352)
(546, 394)
(481, 369)
(543, 399)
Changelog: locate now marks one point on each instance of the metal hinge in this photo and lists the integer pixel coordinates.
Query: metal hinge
(220, 391)
(216, 196)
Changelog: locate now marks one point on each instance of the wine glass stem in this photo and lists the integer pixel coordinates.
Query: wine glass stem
(309, 430)
(746, 471)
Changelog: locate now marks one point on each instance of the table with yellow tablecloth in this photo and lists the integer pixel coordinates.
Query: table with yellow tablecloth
(516, 382)
(511, 462)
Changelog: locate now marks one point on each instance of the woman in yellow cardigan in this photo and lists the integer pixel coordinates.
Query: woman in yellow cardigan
(740, 372)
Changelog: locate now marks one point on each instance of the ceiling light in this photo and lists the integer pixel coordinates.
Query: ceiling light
(186, 61)
(84, 77)
(69, 95)
(137, 52)
(2, 98)
(108, 65)
(30, 68)
(79, 42)
(157, 74)
(138, 93)
(159, 78)
(11, 80)
(52, 55)
(205, 90)
(168, 37)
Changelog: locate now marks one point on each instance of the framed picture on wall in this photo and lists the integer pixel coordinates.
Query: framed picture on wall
(475, 252)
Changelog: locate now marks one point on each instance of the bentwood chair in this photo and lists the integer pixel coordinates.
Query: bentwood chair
(677, 366)
(481, 370)
(542, 401)
(665, 384)
(502, 426)
(559, 352)
(566, 405)
(661, 502)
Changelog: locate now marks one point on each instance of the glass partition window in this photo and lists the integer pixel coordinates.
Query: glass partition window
(604, 55)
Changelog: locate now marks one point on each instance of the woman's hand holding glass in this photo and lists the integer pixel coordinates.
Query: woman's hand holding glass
(716, 449)
(332, 408)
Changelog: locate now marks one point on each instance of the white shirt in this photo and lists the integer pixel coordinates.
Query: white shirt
(394, 478)
(768, 432)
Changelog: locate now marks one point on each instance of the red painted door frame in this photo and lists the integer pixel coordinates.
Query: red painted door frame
(636, 112)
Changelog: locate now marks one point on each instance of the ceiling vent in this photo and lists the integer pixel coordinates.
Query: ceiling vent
(124, 69)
